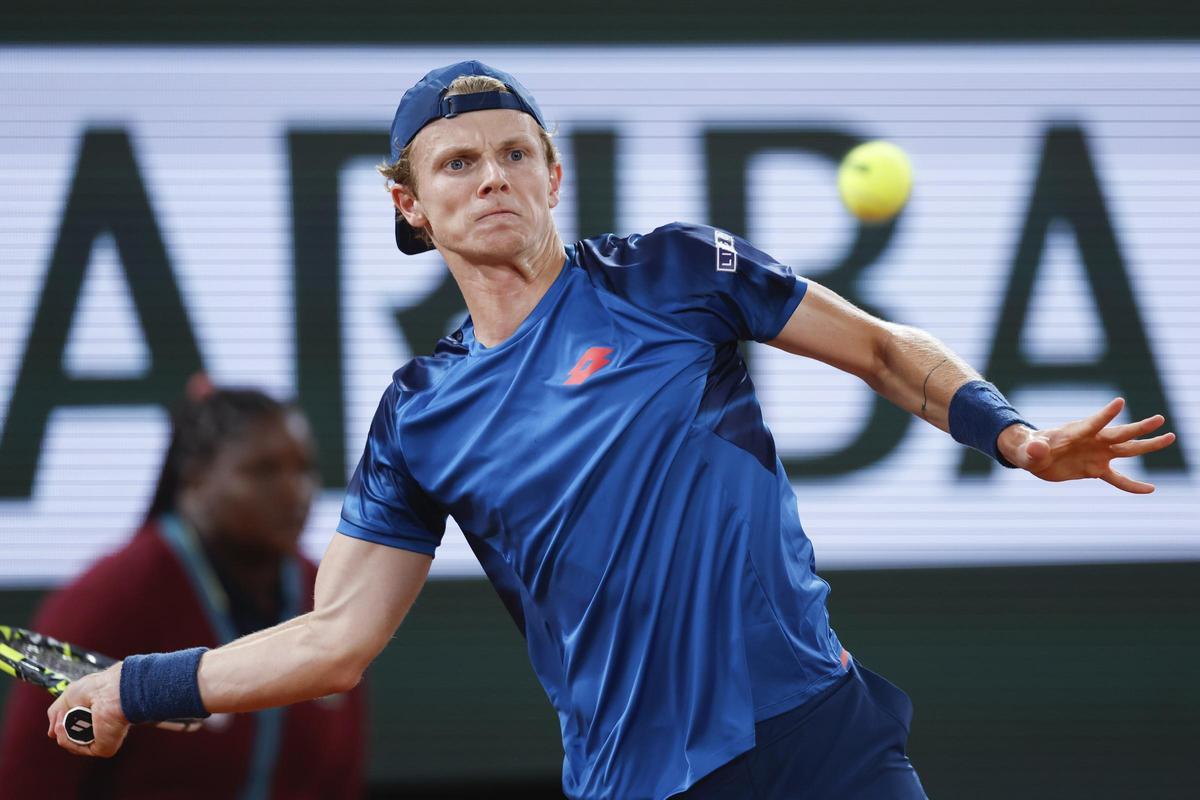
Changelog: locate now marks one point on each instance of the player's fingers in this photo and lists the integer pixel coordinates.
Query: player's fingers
(76, 694)
(54, 715)
(108, 741)
(1096, 422)
(60, 735)
(180, 727)
(1123, 433)
(1142, 446)
(1125, 483)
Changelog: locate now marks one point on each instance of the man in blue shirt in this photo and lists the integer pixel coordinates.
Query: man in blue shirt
(593, 430)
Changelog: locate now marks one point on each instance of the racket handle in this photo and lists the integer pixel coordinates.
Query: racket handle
(78, 725)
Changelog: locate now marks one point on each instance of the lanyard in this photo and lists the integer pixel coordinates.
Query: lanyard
(213, 598)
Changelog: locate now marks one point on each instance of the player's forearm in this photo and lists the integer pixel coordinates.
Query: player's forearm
(363, 591)
(920, 374)
(297, 660)
(274, 630)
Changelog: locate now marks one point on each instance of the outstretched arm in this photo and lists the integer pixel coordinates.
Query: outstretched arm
(363, 592)
(917, 372)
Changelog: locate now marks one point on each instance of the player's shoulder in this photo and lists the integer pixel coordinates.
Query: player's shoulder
(684, 239)
(423, 373)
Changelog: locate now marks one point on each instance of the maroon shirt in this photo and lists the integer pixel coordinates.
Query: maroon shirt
(140, 600)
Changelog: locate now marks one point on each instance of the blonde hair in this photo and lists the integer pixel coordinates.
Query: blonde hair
(401, 172)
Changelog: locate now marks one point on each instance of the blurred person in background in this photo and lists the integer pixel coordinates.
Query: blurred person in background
(216, 558)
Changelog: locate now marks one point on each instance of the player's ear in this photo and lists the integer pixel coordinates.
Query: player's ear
(556, 174)
(409, 205)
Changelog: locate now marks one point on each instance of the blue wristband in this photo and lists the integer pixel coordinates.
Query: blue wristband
(162, 686)
(978, 413)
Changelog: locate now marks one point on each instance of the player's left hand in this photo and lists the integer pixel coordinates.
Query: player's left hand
(1084, 448)
(101, 692)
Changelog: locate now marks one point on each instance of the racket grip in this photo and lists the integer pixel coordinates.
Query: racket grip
(78, 725)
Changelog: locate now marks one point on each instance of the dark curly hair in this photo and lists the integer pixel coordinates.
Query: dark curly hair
(200, 425)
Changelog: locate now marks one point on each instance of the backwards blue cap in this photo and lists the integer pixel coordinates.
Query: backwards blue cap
(426, 102)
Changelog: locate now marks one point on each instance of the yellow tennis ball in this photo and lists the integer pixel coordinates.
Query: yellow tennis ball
(874, 180)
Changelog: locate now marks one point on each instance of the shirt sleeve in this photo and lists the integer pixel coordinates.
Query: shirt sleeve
(384, 503)
(715, 284)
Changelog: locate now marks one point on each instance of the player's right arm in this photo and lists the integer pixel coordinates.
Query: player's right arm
(363, 592)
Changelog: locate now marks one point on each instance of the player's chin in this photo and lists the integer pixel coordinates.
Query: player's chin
(497, 244)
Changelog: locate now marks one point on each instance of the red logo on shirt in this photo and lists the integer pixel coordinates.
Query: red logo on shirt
(593, 359)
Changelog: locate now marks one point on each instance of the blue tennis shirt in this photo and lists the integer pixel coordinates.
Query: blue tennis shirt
(609, 465)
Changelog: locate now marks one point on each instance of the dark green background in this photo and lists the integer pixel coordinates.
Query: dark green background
(1054, 682)
(1058, 682)
(602, 22)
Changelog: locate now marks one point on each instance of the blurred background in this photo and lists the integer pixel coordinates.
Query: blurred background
(195, 190)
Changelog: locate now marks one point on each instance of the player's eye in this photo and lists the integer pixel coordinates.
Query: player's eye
(517, 155)
(455, 164)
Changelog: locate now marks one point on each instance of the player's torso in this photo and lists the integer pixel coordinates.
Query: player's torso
(612, 470)
(559, 427)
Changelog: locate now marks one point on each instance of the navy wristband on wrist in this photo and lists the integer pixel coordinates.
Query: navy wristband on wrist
(162, 686)
(978, 413)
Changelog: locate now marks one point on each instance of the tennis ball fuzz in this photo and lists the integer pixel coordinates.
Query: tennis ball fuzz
(874, 180)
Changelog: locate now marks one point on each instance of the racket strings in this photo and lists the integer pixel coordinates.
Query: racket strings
(39, 653)
(53, 660)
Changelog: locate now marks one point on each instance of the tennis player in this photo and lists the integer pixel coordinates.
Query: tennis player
(593, 430)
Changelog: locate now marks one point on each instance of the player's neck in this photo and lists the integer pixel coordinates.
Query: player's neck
(500, 296)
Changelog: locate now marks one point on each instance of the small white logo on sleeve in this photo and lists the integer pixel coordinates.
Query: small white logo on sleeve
(726, 253)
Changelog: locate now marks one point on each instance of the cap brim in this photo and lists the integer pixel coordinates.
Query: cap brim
(407, 240)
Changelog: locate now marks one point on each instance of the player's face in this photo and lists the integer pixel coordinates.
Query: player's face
(258, 488)
(485, 190)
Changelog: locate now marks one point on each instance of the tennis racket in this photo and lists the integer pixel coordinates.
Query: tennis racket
(46, 662)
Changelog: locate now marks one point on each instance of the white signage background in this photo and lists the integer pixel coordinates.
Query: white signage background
(209, 125)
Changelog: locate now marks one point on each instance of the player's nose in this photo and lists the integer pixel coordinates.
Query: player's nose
(492, 177)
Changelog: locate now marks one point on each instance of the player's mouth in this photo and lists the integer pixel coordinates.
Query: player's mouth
(496, 213)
